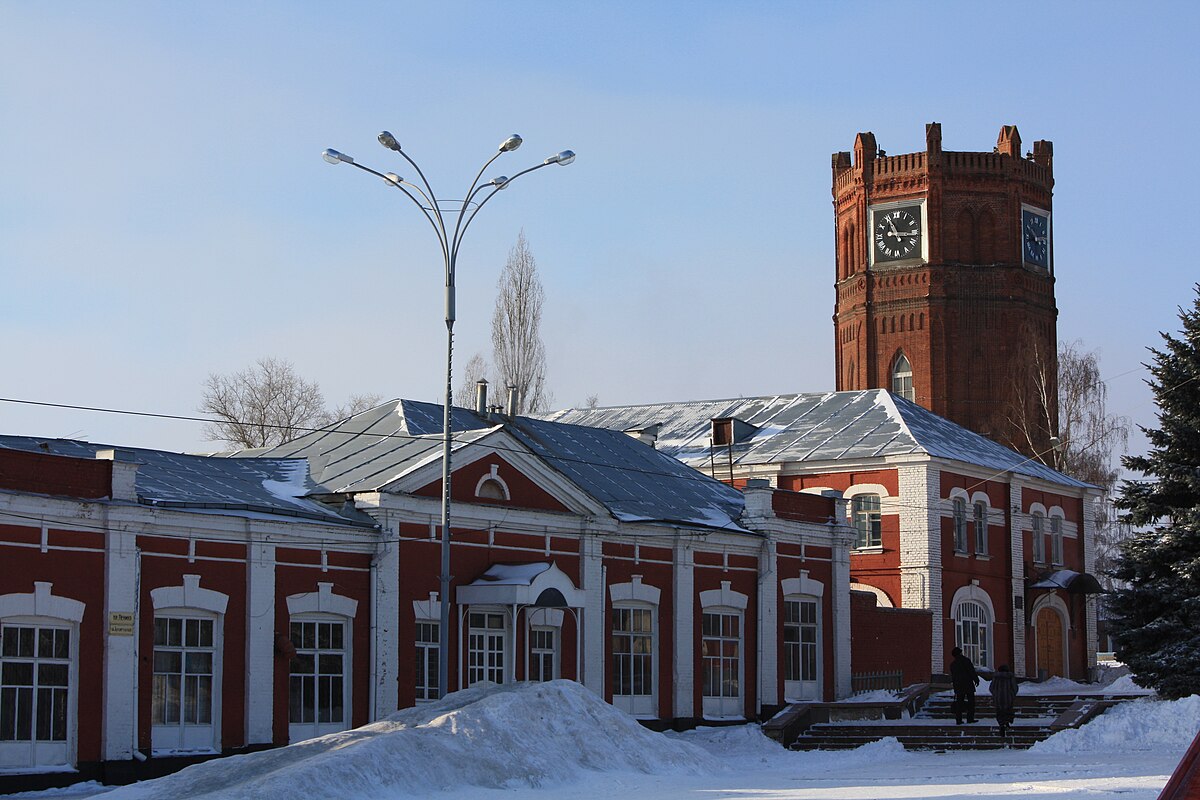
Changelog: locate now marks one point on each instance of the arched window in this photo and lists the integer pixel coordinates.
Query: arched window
(981, 537)
(972, 632)
(960, 525)
(1056, 540)
(1039, 545)
(864, 509)
(902, 383)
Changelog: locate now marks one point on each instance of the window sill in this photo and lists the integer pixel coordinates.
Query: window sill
(961, 554)
(983, 557)
(867, 551)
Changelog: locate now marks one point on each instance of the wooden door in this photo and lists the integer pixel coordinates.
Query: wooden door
(1050, 642)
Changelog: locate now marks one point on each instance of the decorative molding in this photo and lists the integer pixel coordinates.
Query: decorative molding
(322, 601)
(189, 595)
(41, 602)
(724, 597)
(635, 590)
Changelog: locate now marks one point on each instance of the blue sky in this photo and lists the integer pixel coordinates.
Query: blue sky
(165, 213)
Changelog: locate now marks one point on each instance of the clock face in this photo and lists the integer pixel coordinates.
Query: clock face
(897, 233)
(1035, 238)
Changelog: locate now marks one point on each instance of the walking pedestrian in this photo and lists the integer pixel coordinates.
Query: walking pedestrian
(1004, 696)
(964, 679)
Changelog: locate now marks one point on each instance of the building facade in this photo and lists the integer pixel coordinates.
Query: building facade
(944, 288)
(156, 609)
(997, 547)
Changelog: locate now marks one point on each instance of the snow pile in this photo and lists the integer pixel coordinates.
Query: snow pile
(506, 737)
(1138, 725)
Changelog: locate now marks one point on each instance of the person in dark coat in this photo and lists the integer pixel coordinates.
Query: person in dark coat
(1004, 696)
(964, 679)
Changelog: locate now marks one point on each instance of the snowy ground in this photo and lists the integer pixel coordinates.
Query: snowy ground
(557, 740)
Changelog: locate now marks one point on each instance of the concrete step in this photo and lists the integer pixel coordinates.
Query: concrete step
(921, 737)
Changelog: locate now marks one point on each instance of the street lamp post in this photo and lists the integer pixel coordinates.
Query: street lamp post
(461, 214)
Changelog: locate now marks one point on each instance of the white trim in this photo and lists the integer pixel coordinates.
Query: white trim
(428, 610)
(493, 476)
(189, 595)
(323, 601)
(724, 597)
(634, 591)
(41, 602)
(867, 488)
(804, 585)
(544, 617)
(972, 593)
(881, 598)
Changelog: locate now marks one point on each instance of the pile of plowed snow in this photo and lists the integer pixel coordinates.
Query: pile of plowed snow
(1143, 725)
(505, 737)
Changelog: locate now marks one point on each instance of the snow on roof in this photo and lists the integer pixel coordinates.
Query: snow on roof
(512, 574)
(812, 428)
(275, 486)
(634, 482)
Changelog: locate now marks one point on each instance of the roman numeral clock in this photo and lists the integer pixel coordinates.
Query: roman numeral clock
(898, 233)
(1035, 236)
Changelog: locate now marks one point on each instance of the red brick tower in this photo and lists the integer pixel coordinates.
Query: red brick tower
(945, 282)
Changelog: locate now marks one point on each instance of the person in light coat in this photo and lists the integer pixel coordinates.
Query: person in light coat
(1004, 697)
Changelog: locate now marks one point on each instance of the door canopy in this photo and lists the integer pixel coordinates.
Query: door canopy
(540, 584)
(1069, 581)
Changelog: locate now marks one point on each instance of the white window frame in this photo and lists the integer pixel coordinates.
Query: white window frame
(643, 705)
(541, 621)
(42, 608)
(725, 602)
(301, 731)
(190, 601)
(484, 674)
(427, 653)
(979, 648)
(801, 687)
(959, 513)
(981, 527)
(1056, 539)
(868, 523)
(184, 737)
(724, 703)
(902, 379)
(1037, 524)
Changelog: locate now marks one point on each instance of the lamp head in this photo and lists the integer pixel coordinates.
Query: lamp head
(500, 182)
(511, 143)
(334, 157)
(387, 140)
(562, 159)
(393, 179)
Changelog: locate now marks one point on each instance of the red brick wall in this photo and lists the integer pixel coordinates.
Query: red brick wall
(889, 639)
(972, 316)
(62, 476)
(524, 492)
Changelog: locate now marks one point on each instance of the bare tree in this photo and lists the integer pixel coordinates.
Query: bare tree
(475, 369)
(356, 403)
(262, 405)
(517, 349)
(592, 401)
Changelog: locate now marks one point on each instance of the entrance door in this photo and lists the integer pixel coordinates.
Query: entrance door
(485, 648)
(35, 696)
(1050, 642)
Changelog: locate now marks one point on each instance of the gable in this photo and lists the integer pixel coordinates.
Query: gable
(471, 484)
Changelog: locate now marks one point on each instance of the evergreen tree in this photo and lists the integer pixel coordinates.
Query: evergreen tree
(1156, 615)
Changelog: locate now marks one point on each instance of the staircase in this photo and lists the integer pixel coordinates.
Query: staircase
(933, 726)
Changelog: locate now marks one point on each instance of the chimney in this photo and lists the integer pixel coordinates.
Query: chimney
(124, 473)
(481, 407)
(510, 405)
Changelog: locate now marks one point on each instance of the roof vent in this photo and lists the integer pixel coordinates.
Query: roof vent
(731, 430)
(510, 405)
(481, 406)
(647, 435)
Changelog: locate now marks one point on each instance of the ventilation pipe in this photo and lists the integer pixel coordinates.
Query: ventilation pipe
(510, 405)
(481, 406)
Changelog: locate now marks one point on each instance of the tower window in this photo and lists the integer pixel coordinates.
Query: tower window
(902, 383)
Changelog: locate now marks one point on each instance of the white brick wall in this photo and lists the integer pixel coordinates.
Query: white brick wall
(683, 593)
(1020, 521)
(920, 548)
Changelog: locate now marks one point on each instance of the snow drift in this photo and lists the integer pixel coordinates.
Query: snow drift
(504, 737)
(1139, 725)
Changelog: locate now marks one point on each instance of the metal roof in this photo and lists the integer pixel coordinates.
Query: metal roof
(815, 428)
(371, 450)
(265, 485)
